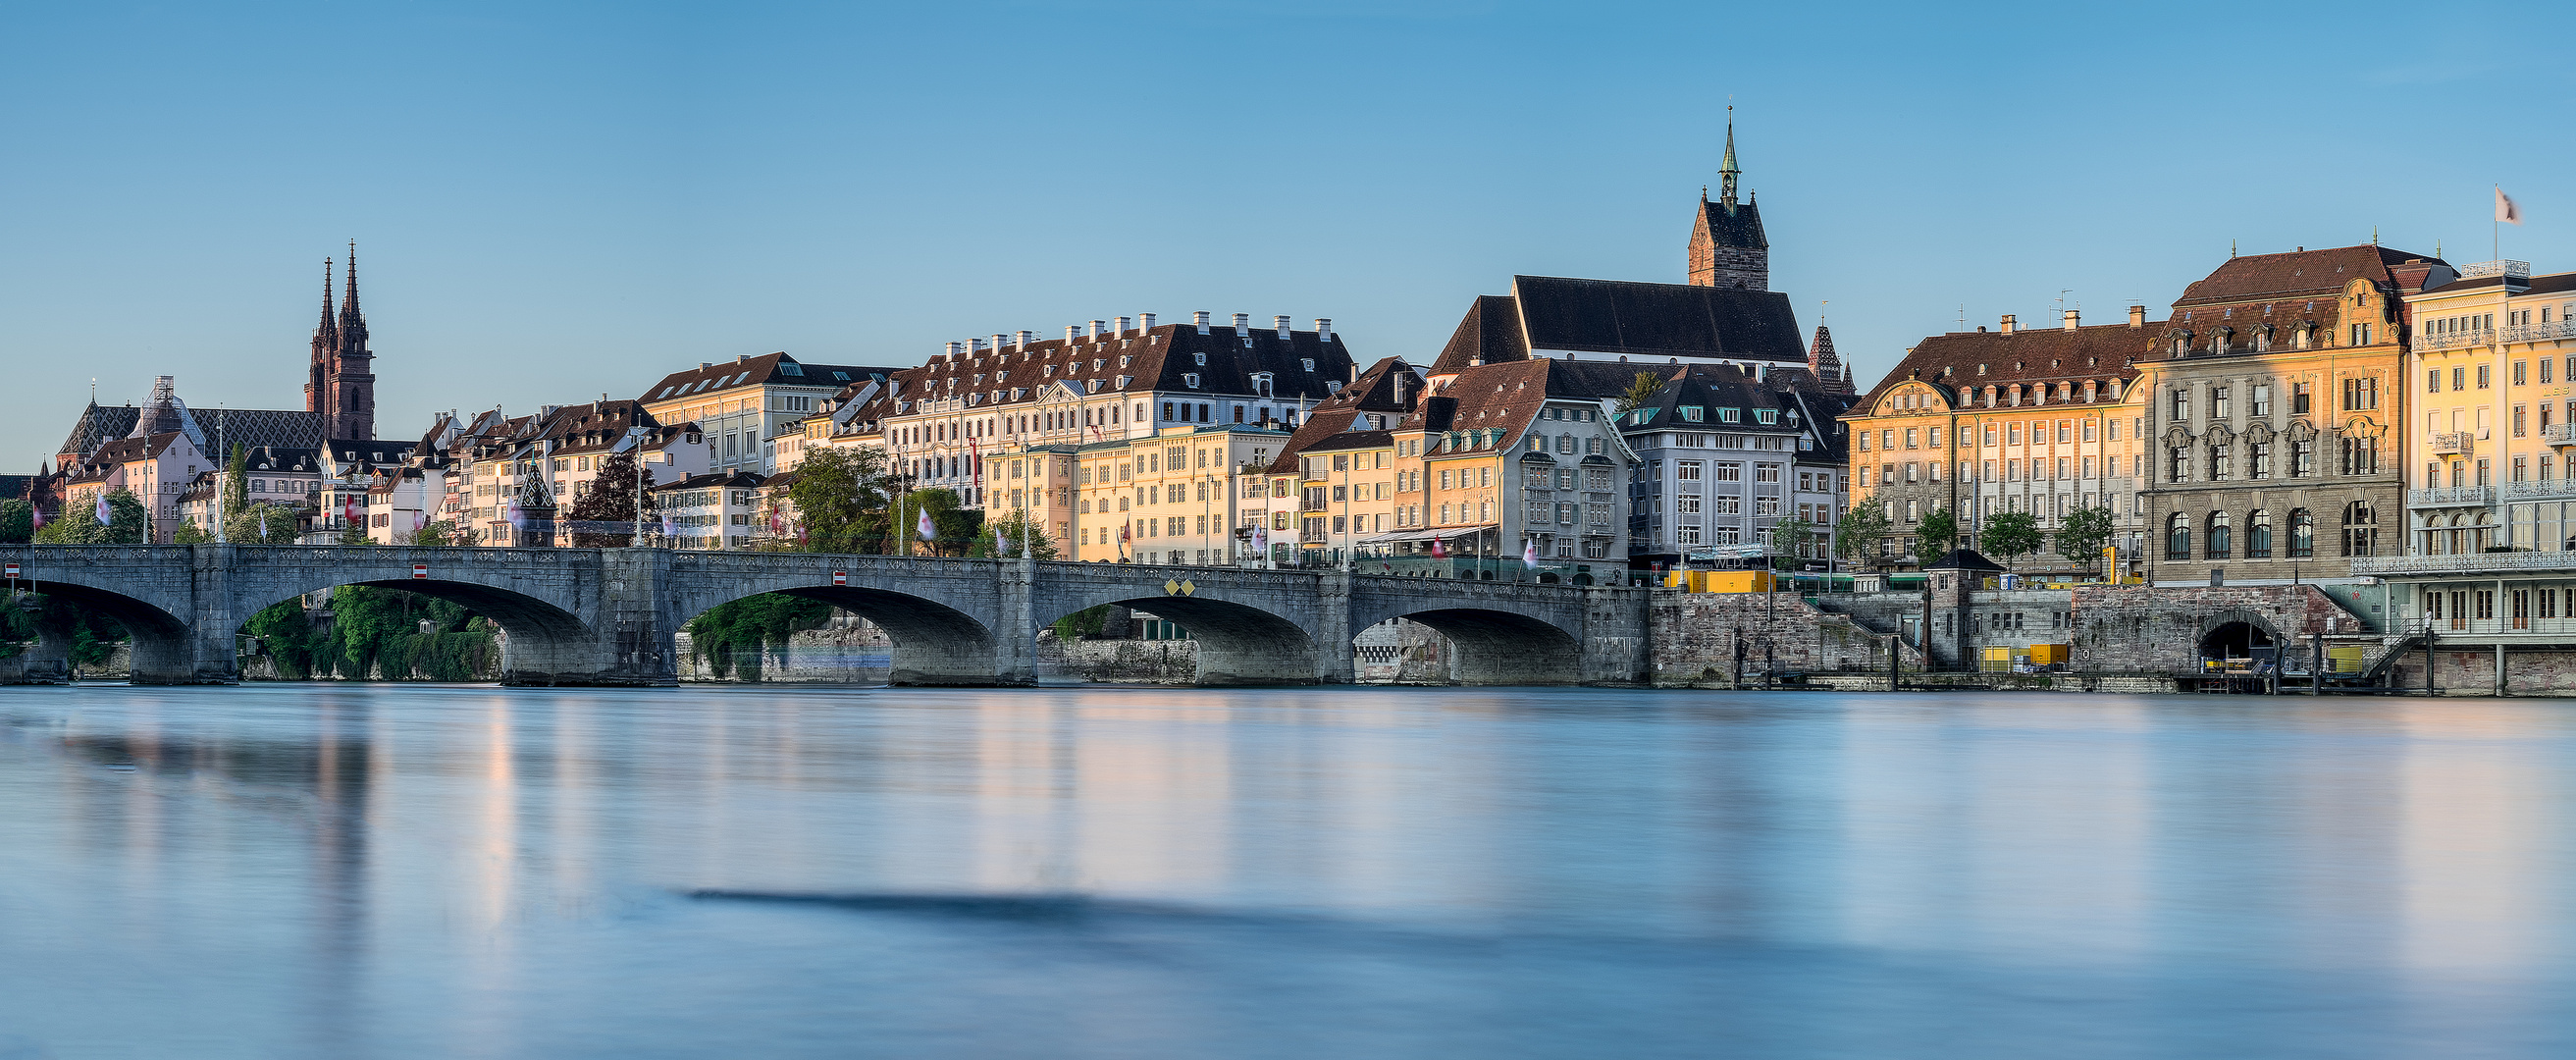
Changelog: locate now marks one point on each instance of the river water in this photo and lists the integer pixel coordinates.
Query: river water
(407, 871)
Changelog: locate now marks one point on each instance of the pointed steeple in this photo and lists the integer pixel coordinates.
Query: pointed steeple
(353, 324)
(326, 336)
(1827, 366)
(1728, 170)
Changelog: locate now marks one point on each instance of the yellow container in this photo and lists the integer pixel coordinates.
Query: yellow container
(2047, 654)
(2344, 659)
(1719, 581)
(1996, 660)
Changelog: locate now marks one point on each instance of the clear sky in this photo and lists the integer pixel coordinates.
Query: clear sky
(552, 201)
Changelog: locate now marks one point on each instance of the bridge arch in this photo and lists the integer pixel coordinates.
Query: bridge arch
(1238, 643)
(162, 650)
(932, 643)
(542, 642)
(1497, 647)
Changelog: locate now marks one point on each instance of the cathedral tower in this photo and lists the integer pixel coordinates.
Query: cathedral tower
(341, 381)
(1727, 248)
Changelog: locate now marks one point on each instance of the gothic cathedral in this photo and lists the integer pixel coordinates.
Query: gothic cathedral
(342, 384)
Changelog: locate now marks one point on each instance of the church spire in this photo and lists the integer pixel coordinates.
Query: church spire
(1727, 170)
(353, 324)
(326, 336)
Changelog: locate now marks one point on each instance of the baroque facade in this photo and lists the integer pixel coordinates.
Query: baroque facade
(2276, 415)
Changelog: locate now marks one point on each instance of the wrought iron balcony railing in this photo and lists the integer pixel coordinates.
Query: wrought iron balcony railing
(2452, 497)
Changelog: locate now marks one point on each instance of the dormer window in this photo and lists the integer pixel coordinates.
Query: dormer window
(1200, 356)
(1308, 362)
(1332, 386)
(1729, 415)
(1190, 379)
(1766, 416)
(1692, 413)
(1260, 383)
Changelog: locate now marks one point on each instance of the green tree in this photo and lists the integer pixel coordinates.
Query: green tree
(264, 523)
(189, 533)
(1012, 526)
(2086, 533)
(128, 523)
(1938, 534)
(1856, 537)
(2010, 534)
(17, 522)
(836, 492)
(734, 638)
(603, 516)
(1641, 392)
(440, 533)
(953, 526)
(236, 483)
(1080, 624)
(1789, 541)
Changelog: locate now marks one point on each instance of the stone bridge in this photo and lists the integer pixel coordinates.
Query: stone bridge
(606, 616)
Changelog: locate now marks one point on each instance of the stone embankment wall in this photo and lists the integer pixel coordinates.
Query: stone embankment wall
(2471, 671)
(849, 651)
(1146, 662)
(1694, 637)
(2143, 628)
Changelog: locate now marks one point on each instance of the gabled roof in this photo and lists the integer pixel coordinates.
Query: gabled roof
(1301, 367)
(1736, 225)
(1641, 321)
(1962, 360)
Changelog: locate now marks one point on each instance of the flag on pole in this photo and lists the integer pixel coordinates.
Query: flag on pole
(1529, 555)
(37, 511)
(1001, 547)
(1438, 550)
(670, 528)
(518, 518)
(923, 526)
(349, 508)
(1260, 538)
(419, 521)
(2506, 211)
(104, 516)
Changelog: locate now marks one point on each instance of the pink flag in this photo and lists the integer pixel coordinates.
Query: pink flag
(104, 516)
(925, 527)
(1529, 555)
(1438, 550)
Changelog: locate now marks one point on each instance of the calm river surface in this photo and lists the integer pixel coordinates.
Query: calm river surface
(378, 871)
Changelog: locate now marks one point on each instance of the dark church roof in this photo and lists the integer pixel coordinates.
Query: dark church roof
(1641, 321)
(250, 428)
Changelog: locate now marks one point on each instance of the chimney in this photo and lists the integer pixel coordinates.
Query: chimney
(949, 353)
(1122, 327)
(2137, 316)
(1097, 327)
(1324, 329)
(2074, 319)
(1025, 336)
(1144, 322)
(742, 358)
(974, 346)
(2008, 324)
(704, 365)
(1200, 319)
(1072, 334)
(998, 340)
(1282, 324)
(1242, 325)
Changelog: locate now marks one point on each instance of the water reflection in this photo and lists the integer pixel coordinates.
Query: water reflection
(428, 871)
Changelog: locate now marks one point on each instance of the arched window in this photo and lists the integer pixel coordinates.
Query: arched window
(2221, 540)
(2178, 537)
(2258, 535)
(2303, 534)
(2360, 529)
(2221, 462)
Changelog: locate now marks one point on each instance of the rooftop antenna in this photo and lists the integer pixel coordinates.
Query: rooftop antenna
(2374, 235)
(1963, 316)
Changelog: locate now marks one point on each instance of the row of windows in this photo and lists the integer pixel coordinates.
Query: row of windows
(2065, 431)
(2360, 393)
(2218, 540)
(2217, 463)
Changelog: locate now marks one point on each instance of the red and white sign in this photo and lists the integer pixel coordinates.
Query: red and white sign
(10, 572)
(419, 571)
(839, 577)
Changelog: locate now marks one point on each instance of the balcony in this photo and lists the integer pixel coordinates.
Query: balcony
(2454, 340)
(2555, 329)
(2453, 497)
(2506, 267)
(2471, 563)
(2559, 434)
(2552, 490)
(2454, 442)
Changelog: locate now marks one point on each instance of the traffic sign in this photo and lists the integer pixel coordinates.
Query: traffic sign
(840, 577)
(420, 571)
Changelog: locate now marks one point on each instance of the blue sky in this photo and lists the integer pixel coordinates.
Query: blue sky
(552, 201)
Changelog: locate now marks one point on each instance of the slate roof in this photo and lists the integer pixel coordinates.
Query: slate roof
(253, 428)
(1739, 226)
(778, 368)
(2551, 283)
(1135, 363)
(1641, 321)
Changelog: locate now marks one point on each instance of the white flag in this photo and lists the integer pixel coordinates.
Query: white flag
(924, 527)
(1529, 555)
(103, 513)
(2506, 211)
(1000, 546)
